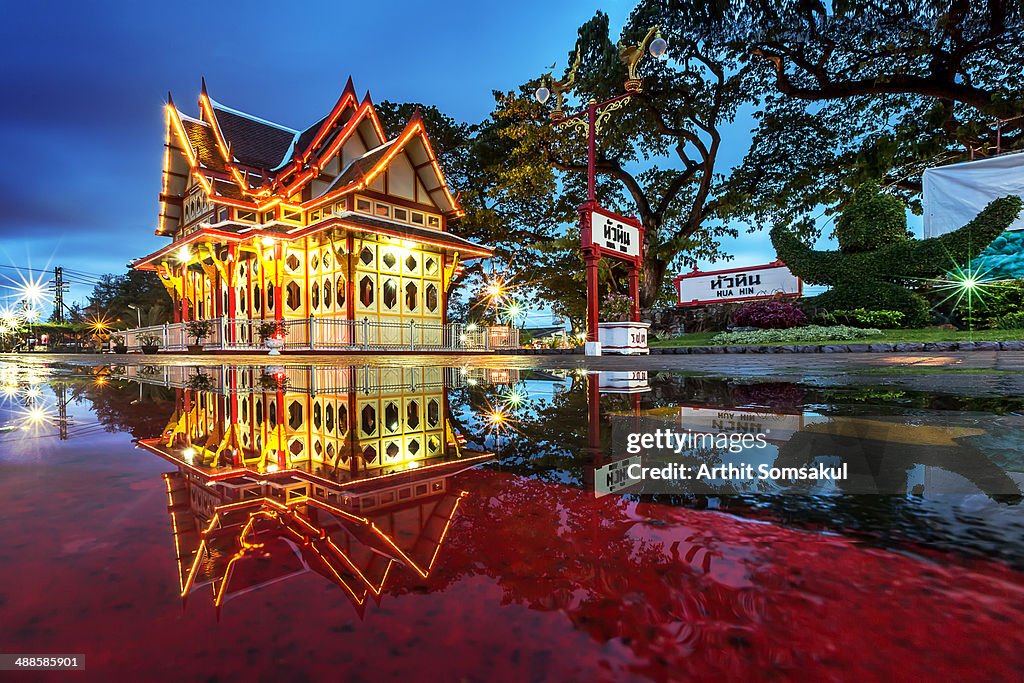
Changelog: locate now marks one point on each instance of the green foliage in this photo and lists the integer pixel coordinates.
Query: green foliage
(1011, 321)
(862, 317)
(794, 335)
(112, 295)
(149, 339)
(199, 329)
(852, 91)
(872, 220)
(875, 279)
(270, 328)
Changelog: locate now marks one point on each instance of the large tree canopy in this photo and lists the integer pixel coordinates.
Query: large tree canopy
(856, 90)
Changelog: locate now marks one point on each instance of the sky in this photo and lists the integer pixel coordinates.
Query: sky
(81, 126)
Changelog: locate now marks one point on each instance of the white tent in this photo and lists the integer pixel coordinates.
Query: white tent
(955, 194)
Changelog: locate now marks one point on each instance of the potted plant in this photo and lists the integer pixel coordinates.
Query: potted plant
(272, 335)
(198, 330)
(273, 379)
(199, 382)
(149, 343)
(118, 344)
(619, 334)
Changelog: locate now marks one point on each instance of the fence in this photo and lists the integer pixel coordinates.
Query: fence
(330, 334)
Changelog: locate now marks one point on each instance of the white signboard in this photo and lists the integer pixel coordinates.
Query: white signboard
(737, 284)
(623, 382)
(614, 235)
(955, 194)
(773, 426)
(612, 477)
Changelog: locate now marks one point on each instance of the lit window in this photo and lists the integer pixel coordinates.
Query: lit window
(391, 417)
(363, 205)
(412, 414)
(383, 210)
(389, 259)
(366, 256)
(366, 291)
(294, 295)
(341, 294)
(401, 214)
(431, 298)
(434, 221)
(328, 293)
(390, 293)
(411, 296)
(368, 420)
(417, 218)
(433, 412)
(292, 262)
(411, 263)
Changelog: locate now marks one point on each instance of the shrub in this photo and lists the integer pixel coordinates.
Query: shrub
(872, 220)
(199, 329)
(862, 317)
(1011, 321)
(271, 328)
(616, 308)
(769, 315)
(148, 339)
(808, 333)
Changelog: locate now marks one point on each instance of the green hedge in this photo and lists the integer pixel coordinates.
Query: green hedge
(794, 335)
(876, 279)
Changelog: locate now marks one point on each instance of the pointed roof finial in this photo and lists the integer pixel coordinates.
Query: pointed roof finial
(349, 87)
(170, 100)
(203, 90)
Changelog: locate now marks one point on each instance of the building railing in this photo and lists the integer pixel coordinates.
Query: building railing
(331, 334)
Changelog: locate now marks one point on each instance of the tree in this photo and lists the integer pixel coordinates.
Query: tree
(677, 120)
(855, 90)
(113, 293)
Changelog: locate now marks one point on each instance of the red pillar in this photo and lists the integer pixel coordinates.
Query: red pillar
(279, 286)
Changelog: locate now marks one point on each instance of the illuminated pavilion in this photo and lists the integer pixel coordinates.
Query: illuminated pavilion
(334, 222)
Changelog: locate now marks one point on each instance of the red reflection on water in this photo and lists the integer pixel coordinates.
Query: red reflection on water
(533, 581)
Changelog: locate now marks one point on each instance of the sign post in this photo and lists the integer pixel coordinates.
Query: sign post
(753, 283)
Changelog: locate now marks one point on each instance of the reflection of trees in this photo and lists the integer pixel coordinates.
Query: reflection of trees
(141, 410)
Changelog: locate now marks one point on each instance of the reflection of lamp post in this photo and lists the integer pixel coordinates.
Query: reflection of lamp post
(597, 114)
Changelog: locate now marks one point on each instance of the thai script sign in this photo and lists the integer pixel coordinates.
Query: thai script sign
(737, 284)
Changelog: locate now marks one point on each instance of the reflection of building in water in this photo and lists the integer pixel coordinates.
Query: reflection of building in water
(341, 471)
(334, 422)
(240, 534)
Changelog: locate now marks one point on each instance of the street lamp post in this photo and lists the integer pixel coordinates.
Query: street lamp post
(138, 313)
(595, 115)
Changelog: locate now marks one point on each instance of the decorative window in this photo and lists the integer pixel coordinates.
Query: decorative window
(318, 415)
(382, 210)
(257, 299)
(314, 261)
(417, 218)
(270, 297)
(329, 422)
(368, 420)
(430, 265)
(292, 262)
(366, 291)
(247, 216)
(291, 215)
(391, 417)
(328, 293)
(294, 295)
(363, 205)
(389, 259)
(401, 214)
(339, 207)
(412, 414)
(431, 298)
(314, 296)
(411, 296)
(370, 455)
(366, 256)
(411, 264)
(269, 216)
(342, 419)
(341, 294)
(434, 221)
(433, 412)
(390, 296)
(414, 446)
(294, 414)
(392, 449)
(326, 260)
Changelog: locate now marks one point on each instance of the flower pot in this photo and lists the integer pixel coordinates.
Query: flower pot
(195, 348)
(623, 338)
(275, 344)
(150, 350)
(120, 349)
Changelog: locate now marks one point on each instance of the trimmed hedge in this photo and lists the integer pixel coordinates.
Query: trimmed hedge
(873, 279)
(808, 333)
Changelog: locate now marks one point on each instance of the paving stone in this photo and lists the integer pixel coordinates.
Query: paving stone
(858, 348)
(1012, 345)
(939, 346)
(880, 348)
(986, 346)
(909, 346)
(965, 346)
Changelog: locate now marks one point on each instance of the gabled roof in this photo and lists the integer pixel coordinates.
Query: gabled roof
(253, 141)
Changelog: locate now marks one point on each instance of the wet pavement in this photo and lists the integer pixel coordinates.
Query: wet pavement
(453, 518)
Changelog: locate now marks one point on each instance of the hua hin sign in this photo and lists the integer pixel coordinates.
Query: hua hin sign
(614, 235)
(766, 281)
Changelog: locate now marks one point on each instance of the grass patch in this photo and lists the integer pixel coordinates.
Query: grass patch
(927, 334)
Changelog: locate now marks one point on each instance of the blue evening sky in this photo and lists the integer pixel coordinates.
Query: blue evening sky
(81, 127)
